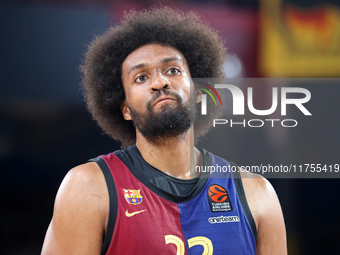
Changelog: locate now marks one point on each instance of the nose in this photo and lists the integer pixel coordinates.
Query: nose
(159, 82)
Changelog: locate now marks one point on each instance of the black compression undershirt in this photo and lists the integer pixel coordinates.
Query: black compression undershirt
(168, 183)
(174, 189)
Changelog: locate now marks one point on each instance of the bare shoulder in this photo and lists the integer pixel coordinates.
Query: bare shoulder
(255, 180)
(84, 184)
(87, 177)
(257, 187)
(80, 213)
(267, 213)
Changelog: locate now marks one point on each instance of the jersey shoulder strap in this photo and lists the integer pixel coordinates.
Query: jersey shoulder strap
(113, 202)
(243, 199)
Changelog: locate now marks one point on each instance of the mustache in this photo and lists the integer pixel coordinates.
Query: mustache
(165, 92)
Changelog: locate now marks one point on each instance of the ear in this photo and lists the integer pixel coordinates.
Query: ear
(125, 110)
(198, 95)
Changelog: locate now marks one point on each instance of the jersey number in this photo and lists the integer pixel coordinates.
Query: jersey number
(197, 240)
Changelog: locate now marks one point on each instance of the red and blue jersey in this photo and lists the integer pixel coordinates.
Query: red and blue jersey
(213, 218)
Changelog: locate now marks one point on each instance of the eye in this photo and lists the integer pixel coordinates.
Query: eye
(140, 79)
(173, 71)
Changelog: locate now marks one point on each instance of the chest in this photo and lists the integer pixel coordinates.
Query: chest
(211, 223)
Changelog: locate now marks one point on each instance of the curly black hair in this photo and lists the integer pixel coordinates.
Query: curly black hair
(201, 46)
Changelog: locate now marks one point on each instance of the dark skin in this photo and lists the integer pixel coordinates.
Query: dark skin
(168, 71)
(82, 205)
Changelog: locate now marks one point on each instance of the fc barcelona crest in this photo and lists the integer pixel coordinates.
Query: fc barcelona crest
(133, 196)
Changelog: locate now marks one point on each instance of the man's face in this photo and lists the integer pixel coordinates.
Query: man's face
(156, 81)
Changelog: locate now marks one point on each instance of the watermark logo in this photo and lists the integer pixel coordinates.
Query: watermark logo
(239, 100)
(281, 97)
(204, 97)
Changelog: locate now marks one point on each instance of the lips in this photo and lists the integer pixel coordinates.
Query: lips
(163, 98)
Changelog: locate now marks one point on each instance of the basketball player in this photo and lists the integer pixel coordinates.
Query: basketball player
(142, 199)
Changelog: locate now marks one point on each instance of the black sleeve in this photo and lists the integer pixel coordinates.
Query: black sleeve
(113, 202)
(243, 199)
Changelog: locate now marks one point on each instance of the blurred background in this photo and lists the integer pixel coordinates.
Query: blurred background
(45, 129)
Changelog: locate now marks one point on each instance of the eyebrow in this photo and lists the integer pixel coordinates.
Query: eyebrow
(142, 65)
(136, 67)
(166, 60)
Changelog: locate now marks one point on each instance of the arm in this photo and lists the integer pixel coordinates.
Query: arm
(265, 207)
(80, 213)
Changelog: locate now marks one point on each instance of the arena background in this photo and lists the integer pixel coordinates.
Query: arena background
(45, 129)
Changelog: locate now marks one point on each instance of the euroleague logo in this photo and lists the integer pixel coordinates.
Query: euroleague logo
(217, 193)
(219, 199)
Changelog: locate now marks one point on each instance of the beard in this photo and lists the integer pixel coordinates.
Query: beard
(171, 122)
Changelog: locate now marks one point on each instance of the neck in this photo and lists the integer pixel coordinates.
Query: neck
(170, 155)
